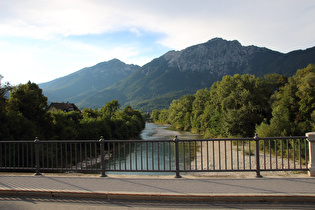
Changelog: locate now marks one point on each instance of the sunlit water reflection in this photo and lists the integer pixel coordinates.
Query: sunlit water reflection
(159, 158)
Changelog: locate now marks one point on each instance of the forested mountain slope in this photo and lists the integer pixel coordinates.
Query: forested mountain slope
(177, 73)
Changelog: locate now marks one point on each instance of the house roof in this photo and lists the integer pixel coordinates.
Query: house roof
(64, 106)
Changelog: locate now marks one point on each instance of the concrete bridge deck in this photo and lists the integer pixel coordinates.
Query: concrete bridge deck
(291, 188)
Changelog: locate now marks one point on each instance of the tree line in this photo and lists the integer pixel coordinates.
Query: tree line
(242, 105)
(24, 115)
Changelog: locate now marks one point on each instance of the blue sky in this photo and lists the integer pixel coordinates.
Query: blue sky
(42, 40)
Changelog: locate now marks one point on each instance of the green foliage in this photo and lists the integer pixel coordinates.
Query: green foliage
(25, 116)
(239, 105)
(232, 107)
(27, 106)
(109, 122)
(293, 107)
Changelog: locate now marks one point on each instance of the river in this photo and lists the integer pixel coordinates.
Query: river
(152, 131)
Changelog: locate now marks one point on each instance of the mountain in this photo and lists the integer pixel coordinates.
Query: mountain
(178, 73)
(79, 85)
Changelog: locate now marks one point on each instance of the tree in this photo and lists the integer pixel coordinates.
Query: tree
(29, 100)
(202, 97)
(4, 127)
(155, 115)
(110, 109)
(180, 112)
(240, 102)
(293, 106)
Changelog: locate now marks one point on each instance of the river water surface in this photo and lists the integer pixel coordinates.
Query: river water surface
(152, 132)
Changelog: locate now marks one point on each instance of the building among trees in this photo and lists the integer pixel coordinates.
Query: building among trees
(65, 107)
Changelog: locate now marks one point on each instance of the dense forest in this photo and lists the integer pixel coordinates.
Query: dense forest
(25, 115)
(242, 105)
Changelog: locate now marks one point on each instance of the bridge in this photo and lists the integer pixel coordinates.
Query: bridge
(256, 154)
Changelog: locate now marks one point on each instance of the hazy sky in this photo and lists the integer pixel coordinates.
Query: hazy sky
(41, 40)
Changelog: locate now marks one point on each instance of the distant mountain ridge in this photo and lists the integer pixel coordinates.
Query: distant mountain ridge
(178, 73)
(80, 84)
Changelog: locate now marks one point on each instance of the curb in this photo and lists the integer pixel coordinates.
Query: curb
(166, 196)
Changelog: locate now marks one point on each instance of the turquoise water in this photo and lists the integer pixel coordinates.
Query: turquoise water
(150, 156)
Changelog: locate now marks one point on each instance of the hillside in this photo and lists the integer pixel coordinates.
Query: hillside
(79, 85)
(178, 73)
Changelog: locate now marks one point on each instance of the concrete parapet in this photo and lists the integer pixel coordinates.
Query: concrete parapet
(311, 162)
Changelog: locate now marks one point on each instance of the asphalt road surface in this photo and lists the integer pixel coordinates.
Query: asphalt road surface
(42, 203)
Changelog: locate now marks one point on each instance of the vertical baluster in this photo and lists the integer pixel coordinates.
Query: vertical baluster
(114, 155)
(250, 155)
(85, 156)
(300, 155)
(56, 149)
(66, 155)
(264, 148)
(136, 156)
(288, 152)
(282, 163)
(231, 143)
(20, 155)
(276, 153)
(152, 155)
(243, 154)
(130, 157)
(147, 155)
(257, 155)
(213, 155)
(189, 150)
(195, 155)
(2, 153)
(96, 155)
(76, 155)
(183, 143)
(201, 155)
(293, 145)
(176, 140)
(125, 156)
(119, 158)
(164, 168)
(270, 155)
(225, 158)
(80, 155)
(306, 152)
(102, 151)
(238, 160)
(141, 145)
(91, 160)
(158, 154)
(10, 156)
(37, 155)
(208, 155)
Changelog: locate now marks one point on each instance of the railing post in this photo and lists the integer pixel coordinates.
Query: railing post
(36, 141)
(257, 156)
(311, 163)
(176, 140)
(102, 141)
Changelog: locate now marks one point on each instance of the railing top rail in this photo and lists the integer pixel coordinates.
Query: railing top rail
(156, 140)
(219, 139)
(285, 137)
(17, 141)
(136, 141)
(50, 141)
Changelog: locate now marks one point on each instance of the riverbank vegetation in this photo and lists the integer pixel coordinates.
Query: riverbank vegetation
(242, 105)
(25, 115)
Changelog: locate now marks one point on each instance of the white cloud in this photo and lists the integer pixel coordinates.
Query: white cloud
(184, 21)
(282, 25)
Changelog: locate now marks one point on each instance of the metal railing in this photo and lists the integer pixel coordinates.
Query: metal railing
(176, 156)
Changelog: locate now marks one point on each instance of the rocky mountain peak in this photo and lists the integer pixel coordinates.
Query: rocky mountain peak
(215, 55)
